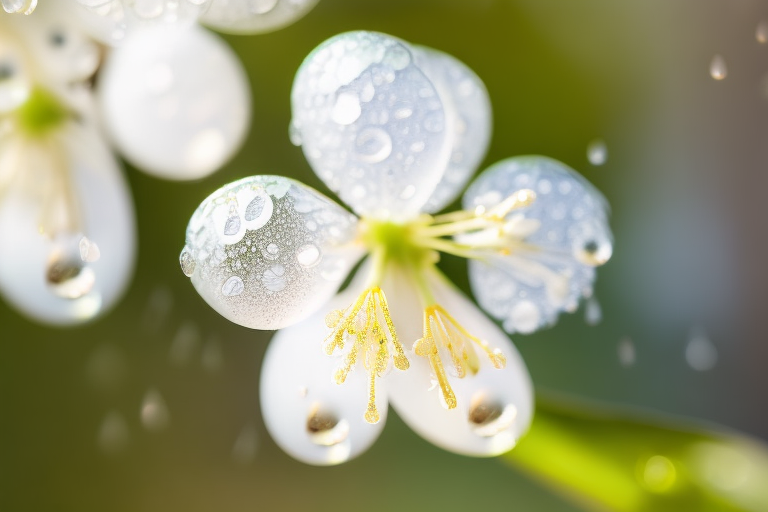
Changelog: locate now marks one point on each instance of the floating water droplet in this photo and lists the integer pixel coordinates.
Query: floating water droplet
(626, 352)
(593, 313)
(347, 109)
(233, 287)
(244, 449)
(187, 262)
(212, 358)
(154, 412)
(113, 434)
(525, 317)
(308, 255)
(106, 368)
(717, 68)
(89, 251)
(184, 344)
(373, 144)
(597, 152)
(274, 278)
(593, 252)
(67, 277)
(324, 428)
(700, 352)
(487, 417)
(761, 34)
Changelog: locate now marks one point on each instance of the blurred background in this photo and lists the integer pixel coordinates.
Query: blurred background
(662, 105)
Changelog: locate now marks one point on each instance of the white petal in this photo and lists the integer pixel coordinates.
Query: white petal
(19, 6)
(102, 197)
(467, 105)
(175, 101)
(254, 16)
(509, 389)
(298, 394)
(371, 123)
(529, 288)
(267, 251)
(16, 81)
(112, 21)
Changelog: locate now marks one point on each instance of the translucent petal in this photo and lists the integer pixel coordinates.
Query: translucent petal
(371, 123)
(57, 265)
(308, 415)
(254, 16)
(15, 79)
(112, 21)
(175, 101)
(267, 251)
(555, 265)
(469, 110)
(494, 406)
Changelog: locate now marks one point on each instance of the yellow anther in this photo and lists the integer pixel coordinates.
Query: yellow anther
(442, 331)
(368, 333)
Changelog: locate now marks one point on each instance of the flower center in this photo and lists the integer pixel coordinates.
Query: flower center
(41, 113)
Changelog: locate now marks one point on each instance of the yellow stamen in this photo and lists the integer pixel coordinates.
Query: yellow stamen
(361, 325)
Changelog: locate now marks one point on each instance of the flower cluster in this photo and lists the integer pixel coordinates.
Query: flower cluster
(396, 131)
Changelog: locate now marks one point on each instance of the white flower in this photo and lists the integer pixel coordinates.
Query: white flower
(396, 131)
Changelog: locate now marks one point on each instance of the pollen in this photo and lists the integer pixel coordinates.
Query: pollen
(445, 339)
(365, 332)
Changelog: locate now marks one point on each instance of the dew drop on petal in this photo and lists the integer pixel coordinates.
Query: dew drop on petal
(700, 352)
(67, 276)
(324, 428)
(347, 108)
(717, 68)
(308, 255)
(761, 34)
(373, 144)
(525, 317)
(154, 412)
(187, 262)
(246, 444)
(597, 152)
(113, 435)
(89, 251)
(274, 278)
(487, 417)
(593, 252)
(233, 286)
(626, 352)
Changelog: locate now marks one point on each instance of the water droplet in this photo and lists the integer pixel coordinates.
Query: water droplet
(761, 34)
(403, 111)
(593, 252)
(212, 358)
(347, 109)
(700, 352)
(525, 317)
(597, 152)
(184, 344)
(294, 134)
(106, 368)
(324, 428)
(397, 57)
(434, 122)
(274, 278)
(89, 251)
(67, 277)
(658, 474)
(244, 449)
(373, 144)
(187, 262)
(487, 417)
(593, 313)
(233, 286)
(154, 412)
(308, 255)
(255, 208)
(408, 192)
(113, 434)
(261, 6)
(717, 67)
(626, 352)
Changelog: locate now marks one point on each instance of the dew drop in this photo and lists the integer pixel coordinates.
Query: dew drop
(347, 109)
(154, 412)
(233, 287)
(487, 417)
(274, 278)
(244, 449)
(717, 68)
(67, 277)
(593, 253)
(761, 34)
(324, 428)
(373, 144)
(593, 313)
(113, 435)
(525, 317)
(626, 352)
(254, 209)
(232, 226)
(403, 111)
(434, 122)
(700, 352)
(294, 134)
(658, 474)
(408, 192)
(89, 251)
(187, 262)
(597, 152)
(308, 255)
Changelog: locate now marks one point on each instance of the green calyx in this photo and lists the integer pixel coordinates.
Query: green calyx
(41, 113)
(399, 243)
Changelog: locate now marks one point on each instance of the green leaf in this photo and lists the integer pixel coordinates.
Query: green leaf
(615, 459)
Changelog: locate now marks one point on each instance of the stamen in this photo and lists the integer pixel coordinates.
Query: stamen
(442, 331)
(361, 326)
